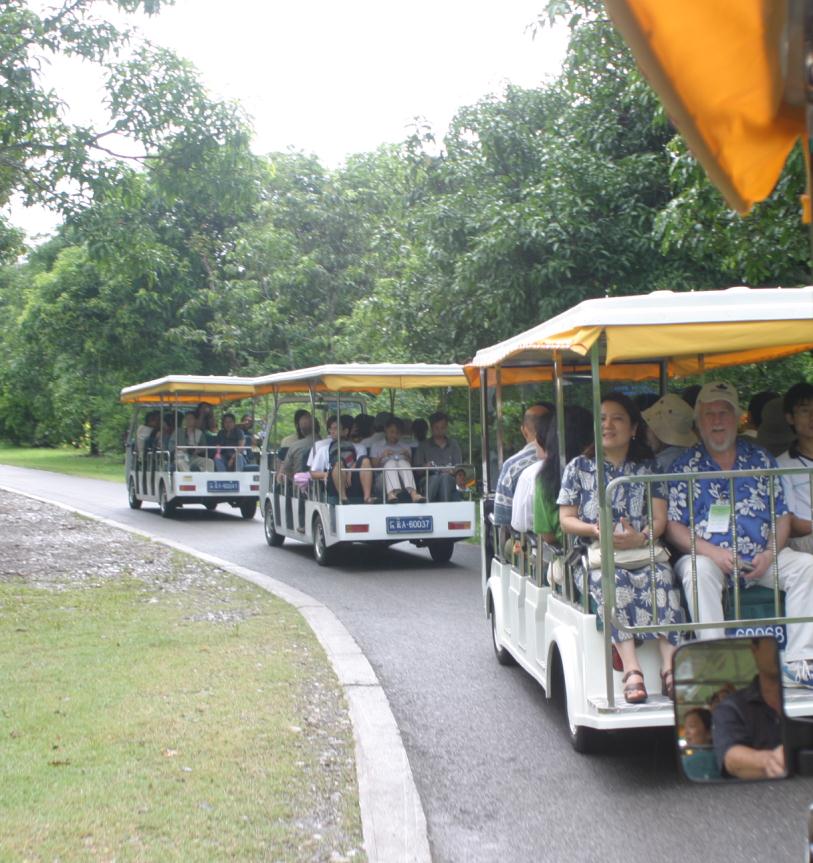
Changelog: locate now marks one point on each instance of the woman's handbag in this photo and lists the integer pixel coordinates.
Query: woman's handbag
(627, 558)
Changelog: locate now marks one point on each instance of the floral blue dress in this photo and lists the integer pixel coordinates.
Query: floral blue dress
(633, 588)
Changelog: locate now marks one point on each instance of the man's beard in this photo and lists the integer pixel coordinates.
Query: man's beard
(723, 446)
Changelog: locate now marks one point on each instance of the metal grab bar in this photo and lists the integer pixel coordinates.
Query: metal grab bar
(729, 478)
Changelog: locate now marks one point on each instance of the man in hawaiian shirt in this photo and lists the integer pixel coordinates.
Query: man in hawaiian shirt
(716, 414)
(515, 464)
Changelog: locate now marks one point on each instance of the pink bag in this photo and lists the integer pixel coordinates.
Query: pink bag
(302, 479)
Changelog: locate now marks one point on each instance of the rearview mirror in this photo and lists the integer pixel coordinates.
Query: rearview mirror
(729, 716)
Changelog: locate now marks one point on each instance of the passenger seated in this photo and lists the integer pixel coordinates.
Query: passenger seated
(420, 428)
(798, 407)
(578, 439)
(148, 432)
(441, 453)
(299, 432)
(327, 461)
(189, 444)
(624, 455)
(296, 458)
(363, 428)
(669, 429)
(522, 502)
(395, 457)
(229, 445)
(717, 413)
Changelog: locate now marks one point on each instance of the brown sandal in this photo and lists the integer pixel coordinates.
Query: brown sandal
(668, 684)
(634, 692)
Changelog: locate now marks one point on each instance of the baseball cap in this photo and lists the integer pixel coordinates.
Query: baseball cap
(721, 391)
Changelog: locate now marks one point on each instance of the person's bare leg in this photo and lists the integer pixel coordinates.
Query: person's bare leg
(366, 478)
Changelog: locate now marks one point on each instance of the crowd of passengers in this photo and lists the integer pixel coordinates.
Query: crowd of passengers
(365, 459)
(196, 443)
(700, 430)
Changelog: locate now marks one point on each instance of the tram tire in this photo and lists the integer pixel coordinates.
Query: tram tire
(441, 550)
(248, 509)
(582, 738)
(504, 657)
(274, 539)
(166, 507)
(322, 553)
(132, 497)
(211, 505)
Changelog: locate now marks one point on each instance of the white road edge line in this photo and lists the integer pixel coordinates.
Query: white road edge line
(392, 817)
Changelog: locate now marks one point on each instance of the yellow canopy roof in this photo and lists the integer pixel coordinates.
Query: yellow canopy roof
(362, 377)
(189, 389)
(716, 66)
(692, 332)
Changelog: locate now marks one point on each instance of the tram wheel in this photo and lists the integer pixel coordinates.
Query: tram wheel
(504, 657)
(132, 497)
(166, 507)
(248, 508)
(441, 550)
(273, 538)
(211, 505)
(323, 553)
(582, 738)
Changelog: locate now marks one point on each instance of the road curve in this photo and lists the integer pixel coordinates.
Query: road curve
(496, 775)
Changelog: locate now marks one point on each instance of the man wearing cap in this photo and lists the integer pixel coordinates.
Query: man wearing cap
(669, 429)
(716, 521)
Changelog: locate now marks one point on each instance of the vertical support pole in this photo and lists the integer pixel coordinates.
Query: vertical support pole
(498, 384)
(663, 377)
(484, 435)
(471, 429)
(605, 527)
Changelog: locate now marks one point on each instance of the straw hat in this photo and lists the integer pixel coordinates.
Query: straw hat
(670, 418)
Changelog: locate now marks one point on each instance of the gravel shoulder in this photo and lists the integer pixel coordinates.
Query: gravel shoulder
(47, 548)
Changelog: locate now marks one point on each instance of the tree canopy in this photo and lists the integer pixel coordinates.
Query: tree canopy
(196, 256)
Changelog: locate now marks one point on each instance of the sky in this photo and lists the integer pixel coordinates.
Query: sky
(335, 78)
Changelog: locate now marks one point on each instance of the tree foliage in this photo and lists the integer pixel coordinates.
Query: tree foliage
(198, 257)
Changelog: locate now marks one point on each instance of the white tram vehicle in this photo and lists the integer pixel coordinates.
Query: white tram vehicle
(162, 470)
(299, 507)
(547, 625)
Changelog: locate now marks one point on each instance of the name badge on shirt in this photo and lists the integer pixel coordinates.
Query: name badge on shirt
(719, 517)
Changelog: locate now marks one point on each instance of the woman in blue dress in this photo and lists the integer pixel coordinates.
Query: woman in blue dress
(624, 455)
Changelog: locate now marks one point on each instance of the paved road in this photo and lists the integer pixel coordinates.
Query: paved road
(498, 779)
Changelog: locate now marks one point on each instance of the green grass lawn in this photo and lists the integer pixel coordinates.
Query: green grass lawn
(64, 460)
(132, 731)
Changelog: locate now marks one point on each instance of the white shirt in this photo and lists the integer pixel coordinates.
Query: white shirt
(796, 488)
(522, 506)
(318, 456)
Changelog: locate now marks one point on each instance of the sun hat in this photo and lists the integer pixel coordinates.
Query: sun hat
(670, 418)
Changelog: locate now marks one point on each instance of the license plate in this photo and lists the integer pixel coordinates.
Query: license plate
(409, 524)
(223, 485)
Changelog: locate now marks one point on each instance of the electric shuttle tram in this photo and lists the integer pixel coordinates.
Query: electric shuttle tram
(298, 507)
(547, 625)
(173, 467)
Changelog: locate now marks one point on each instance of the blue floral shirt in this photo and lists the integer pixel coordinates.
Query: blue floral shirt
(580, 489)
(507, 482)
(752, 507)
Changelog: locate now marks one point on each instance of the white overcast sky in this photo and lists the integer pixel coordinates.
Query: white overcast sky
(335, 78)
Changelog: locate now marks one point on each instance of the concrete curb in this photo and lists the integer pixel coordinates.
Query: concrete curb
(392, 816)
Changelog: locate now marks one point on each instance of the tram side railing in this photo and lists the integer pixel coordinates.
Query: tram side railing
(773, 477)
